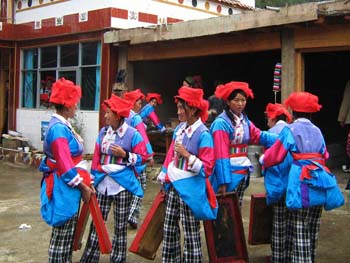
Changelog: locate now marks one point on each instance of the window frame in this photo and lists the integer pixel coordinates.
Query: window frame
(58, 69)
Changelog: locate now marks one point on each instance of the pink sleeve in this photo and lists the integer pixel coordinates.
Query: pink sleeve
(275, 154)
(170, 154)
(154, 118)
(140, 148)
(62, 155)
(142, 130)
(206, 155)
(96, 159)
(254, 133)
(221, 144)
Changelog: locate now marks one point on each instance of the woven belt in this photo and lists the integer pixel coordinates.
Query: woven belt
(238, 150)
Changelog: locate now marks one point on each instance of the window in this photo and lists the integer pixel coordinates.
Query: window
(79, 62)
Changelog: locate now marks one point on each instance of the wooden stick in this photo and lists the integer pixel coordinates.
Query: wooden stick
(101, 230)
(97, 219)
(81, 225)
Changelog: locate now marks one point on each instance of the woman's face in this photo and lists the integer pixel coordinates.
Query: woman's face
(153, 102)
(137, 106)
(237, 104)
(181, 112)
(271, 122)
(71, 111)
(185, 83)
(111, 118)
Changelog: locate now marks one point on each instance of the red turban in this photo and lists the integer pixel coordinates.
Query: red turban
(303, 102)
(274, 110)
(194, 98)
(133, 96)
(224, 91)
(118, 105)
(156, 96)
(65, 93)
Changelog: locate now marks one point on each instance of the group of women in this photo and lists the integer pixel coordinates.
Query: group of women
(200, 163)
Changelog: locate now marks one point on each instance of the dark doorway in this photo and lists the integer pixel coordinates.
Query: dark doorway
(166, 76)
(326, 74)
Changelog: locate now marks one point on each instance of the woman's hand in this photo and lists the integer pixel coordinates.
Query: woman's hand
(222, 189)
(118, 151)
(181, 150)
(86, 192)
(150, 162)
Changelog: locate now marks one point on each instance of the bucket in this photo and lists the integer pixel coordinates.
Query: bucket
(252, 149)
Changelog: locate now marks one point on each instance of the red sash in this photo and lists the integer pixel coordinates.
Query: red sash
(53, 166)
(315, 157)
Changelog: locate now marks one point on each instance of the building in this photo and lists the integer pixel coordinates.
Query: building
(42, 40)
(311, 40)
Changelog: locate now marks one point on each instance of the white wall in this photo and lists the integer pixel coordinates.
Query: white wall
(29, 124)
(163, 9)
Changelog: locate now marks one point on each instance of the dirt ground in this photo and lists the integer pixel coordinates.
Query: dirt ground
(19, 199)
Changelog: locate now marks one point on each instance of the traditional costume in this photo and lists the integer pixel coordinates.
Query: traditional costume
(311, 185)
(148, 112)
(232, 134)
(189, 193)
(276, 181)
(115, 179)
(135, 120)
(63, 170)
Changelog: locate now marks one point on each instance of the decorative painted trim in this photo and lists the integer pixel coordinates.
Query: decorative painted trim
(188, 7)
(148, 18)
(133, 15)
(84, 17)
(59, 21)
(37, 24)
(0, 26)
(96, 20)
(21, 8)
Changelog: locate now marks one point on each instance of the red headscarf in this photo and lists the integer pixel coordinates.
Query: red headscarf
(65, 93)
(194, 98)
(303, 102)
(133, 96)
(224, 91)
(118, 105)
(156, 96)
(274, 110)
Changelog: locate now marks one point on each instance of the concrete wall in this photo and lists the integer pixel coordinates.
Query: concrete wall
(29, 124)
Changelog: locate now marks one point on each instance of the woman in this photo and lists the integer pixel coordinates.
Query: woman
(118, 151)
(276, 177)
(65, 179)
(148, 112)
(188, 164)
(276, 181)
(232, 132)
(310, 183)
(135, 98)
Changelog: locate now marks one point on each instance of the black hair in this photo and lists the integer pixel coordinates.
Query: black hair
(184, 104)
(281, 117)
(58, 107)
(234, 94)
(297, 114)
